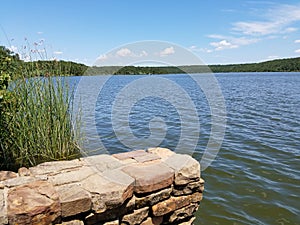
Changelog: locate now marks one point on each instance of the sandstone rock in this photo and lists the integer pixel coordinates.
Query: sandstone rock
(152, 198)
(73, 176)
(175, 203)
(115, 222)
(151, 177)
(72, 222)
(3, 207)
(130, 155)
(183, 213)
(153, 221)
(136, 217)
(112, 214)
(107, 194)
(73, 199)
(147, 158)
(23, 171)
(102, 162)
(197, 186)
(55, 167)
(5, 175)
(189, 222)
(163, 153)
(18, 181)
(186, 168)
(34, 203)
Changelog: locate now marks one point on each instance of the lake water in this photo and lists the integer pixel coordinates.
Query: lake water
(255, 177)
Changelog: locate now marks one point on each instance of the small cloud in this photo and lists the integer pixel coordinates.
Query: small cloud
(123, 52)
(102, 57)
(297, 41)
(224, 44)
(297, 51)
(39, 32)
(167, 51)
(194, 48)
(57, 53)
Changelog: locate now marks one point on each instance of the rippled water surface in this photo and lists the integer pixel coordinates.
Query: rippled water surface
(255, 178)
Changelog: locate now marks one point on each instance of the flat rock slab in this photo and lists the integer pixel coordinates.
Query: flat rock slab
(106, 193)
(5, 175)
(163, 153)
(150, 177)
(102, 163)
(174, 203)
(34, 203)
(187, 169)
(73, 199)
(52, 168)
(130, 155)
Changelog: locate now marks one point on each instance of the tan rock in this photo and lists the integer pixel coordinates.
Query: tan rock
(115, 222)
(183, 213)
(73, 199)
(5, 175)
(13, 182)
(152, 198)
(163, 153)
(112, 214)
(107, 194)
(136, 217)
(147, 158)
(186, 168)
(197, 186)
(189, 222)
(72, 222)
(34, 203)
(3, 207)
(153, 221)
(130, 155)
(73, 176)
(175, 203)
(150, 177)
(55, 167)
(23, 171)
(102, 162)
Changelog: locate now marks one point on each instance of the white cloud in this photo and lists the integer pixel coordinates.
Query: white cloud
(57, 53)
(39, 32)
(235, 42)
(223, 44)
(123, 52)
(297, 51)
(270, 57)
(297, 41)
(194, 48)
(277, 20)
(167, 51)
(102, 57)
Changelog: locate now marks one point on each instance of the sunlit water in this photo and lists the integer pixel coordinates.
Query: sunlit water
(255, 178)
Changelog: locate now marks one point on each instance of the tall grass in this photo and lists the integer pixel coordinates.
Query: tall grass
(37, 123)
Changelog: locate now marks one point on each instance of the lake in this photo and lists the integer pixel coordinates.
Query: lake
(254, 178)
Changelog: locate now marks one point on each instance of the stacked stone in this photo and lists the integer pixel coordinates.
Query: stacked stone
(149, 187)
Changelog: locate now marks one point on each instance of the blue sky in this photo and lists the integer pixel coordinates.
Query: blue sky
(219, 32)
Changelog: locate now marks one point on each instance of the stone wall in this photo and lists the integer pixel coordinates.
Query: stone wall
(149, 187)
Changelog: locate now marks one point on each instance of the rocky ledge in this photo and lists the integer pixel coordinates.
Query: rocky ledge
(149, 187)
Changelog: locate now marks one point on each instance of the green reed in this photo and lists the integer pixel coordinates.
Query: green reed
(37, 121)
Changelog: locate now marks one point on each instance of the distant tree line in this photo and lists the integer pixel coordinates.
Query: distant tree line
(68, 68)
